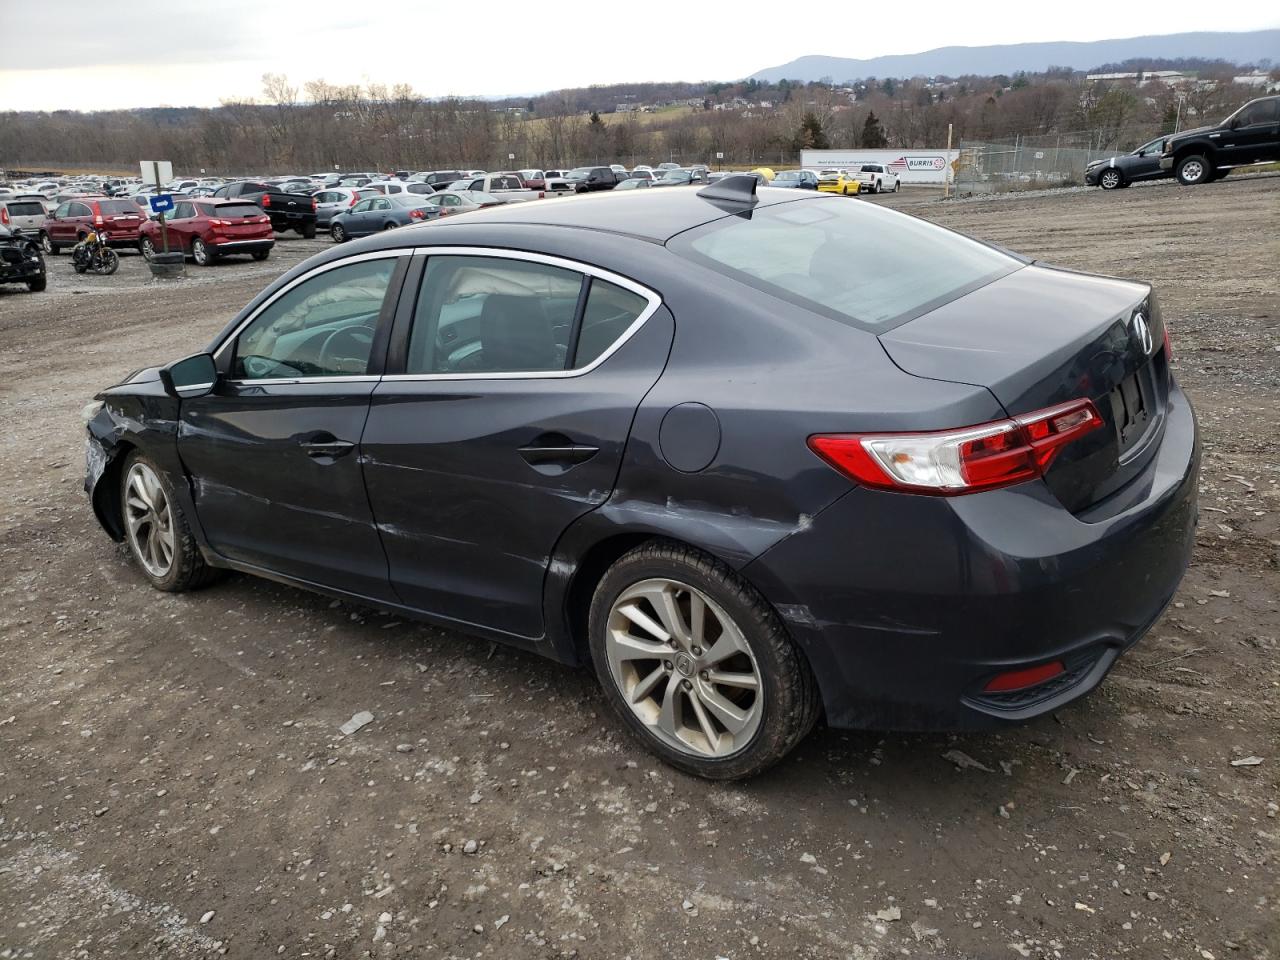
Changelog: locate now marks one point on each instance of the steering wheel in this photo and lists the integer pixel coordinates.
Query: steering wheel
(346, 350)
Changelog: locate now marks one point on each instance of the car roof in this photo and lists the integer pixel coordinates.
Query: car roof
(656, 216)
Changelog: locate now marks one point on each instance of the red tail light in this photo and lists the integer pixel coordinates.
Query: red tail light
(266, 199)
(954, 462)
(313, 203)
(417, 214)
(354, 198)
(4, 215)
(542, 194)
(1168, 347)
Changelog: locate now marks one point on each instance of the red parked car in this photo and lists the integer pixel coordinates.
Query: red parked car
(116, 222)
(208, 228)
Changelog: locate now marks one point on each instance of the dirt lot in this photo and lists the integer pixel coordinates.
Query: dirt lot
(173, 782)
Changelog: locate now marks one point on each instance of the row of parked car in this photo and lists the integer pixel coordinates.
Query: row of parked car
(213, 217)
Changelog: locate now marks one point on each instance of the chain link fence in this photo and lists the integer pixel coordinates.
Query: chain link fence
(1027, 162)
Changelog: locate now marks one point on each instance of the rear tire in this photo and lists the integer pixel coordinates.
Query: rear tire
(201, 253)
(261, 254)
(309, 231)
(388, 226)
(148, 249)
(687, 704)
(38, 285)
(110, 262)
(156, 530)
(1194, 170)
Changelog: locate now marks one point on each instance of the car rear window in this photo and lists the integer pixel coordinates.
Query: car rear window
(229, 210)
(117, 206)
(25, 208)
(858, 263)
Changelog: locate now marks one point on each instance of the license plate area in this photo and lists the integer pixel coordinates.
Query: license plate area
(1133, 408)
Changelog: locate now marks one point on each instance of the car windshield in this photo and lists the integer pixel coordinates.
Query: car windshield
(858, 263)
(872, 168)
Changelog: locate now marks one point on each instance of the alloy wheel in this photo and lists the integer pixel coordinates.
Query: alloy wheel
(149, 520)
(684, 668)
(148, 248)
(1193, 170)
(46, 244)
(1110, 180)
(199, 252)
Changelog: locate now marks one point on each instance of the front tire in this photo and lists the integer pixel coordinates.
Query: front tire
(1110, 179)
(110, 262)
(156, 530)
(38, 285)
(338, 233)
(48, 246)
(1194, 170)
(697, 663)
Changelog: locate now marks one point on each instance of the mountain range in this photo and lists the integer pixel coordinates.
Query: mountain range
(1243, 47)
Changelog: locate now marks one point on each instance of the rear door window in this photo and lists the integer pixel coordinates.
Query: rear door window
(493, 315)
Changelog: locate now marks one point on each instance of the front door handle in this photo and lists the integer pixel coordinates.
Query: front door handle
(566, 454)
(327, 446)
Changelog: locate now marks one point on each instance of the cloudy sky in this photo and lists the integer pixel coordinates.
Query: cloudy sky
(90, 54)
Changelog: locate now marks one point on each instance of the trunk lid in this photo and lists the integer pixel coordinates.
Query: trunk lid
(1041, 336)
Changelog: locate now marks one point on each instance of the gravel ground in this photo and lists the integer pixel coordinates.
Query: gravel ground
(173, 781)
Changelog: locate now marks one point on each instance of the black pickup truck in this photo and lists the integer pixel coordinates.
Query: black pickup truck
(288, 211)
(1250, 135)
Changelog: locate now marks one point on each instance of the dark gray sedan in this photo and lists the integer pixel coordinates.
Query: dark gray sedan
(756, 456)
(1141, 164)
(373, 214)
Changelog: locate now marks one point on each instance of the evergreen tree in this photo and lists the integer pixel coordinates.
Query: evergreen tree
(872, 133)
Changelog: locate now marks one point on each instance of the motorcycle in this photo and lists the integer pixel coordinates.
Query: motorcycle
(92, 253)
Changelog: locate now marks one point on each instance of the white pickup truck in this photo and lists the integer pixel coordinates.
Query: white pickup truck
(876, 178)
(505, 186)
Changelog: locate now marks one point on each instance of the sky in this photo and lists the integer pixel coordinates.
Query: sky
(94, 55)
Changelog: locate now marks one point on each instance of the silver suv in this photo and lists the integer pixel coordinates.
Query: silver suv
(25, 214)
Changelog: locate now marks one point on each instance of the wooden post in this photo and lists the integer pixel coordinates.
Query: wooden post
(164, 228)
(946, 177)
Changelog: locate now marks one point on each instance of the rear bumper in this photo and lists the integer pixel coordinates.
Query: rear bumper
(243, 246)
(907, 606)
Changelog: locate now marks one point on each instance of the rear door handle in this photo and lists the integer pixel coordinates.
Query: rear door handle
(568, 454)
(327, 447)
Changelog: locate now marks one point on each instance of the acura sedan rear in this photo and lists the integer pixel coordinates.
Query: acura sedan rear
(758, 457)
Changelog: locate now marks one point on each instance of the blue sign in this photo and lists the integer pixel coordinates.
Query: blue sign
(161, 203)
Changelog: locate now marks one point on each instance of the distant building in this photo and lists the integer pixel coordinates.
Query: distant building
(1172, 78)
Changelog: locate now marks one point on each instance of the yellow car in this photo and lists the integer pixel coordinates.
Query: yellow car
(766, 172)
(838, 181)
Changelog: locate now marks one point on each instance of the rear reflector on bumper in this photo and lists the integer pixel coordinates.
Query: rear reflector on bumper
(1020, 679)
(952, 462)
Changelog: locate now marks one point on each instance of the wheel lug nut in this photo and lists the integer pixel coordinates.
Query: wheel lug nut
(668, 665)
(704, 675)
(686, 684)
(697, 651)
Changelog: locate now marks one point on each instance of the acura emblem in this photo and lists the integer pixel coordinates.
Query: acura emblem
(1142, 332)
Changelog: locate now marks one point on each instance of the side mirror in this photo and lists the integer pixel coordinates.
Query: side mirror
(194, 376)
